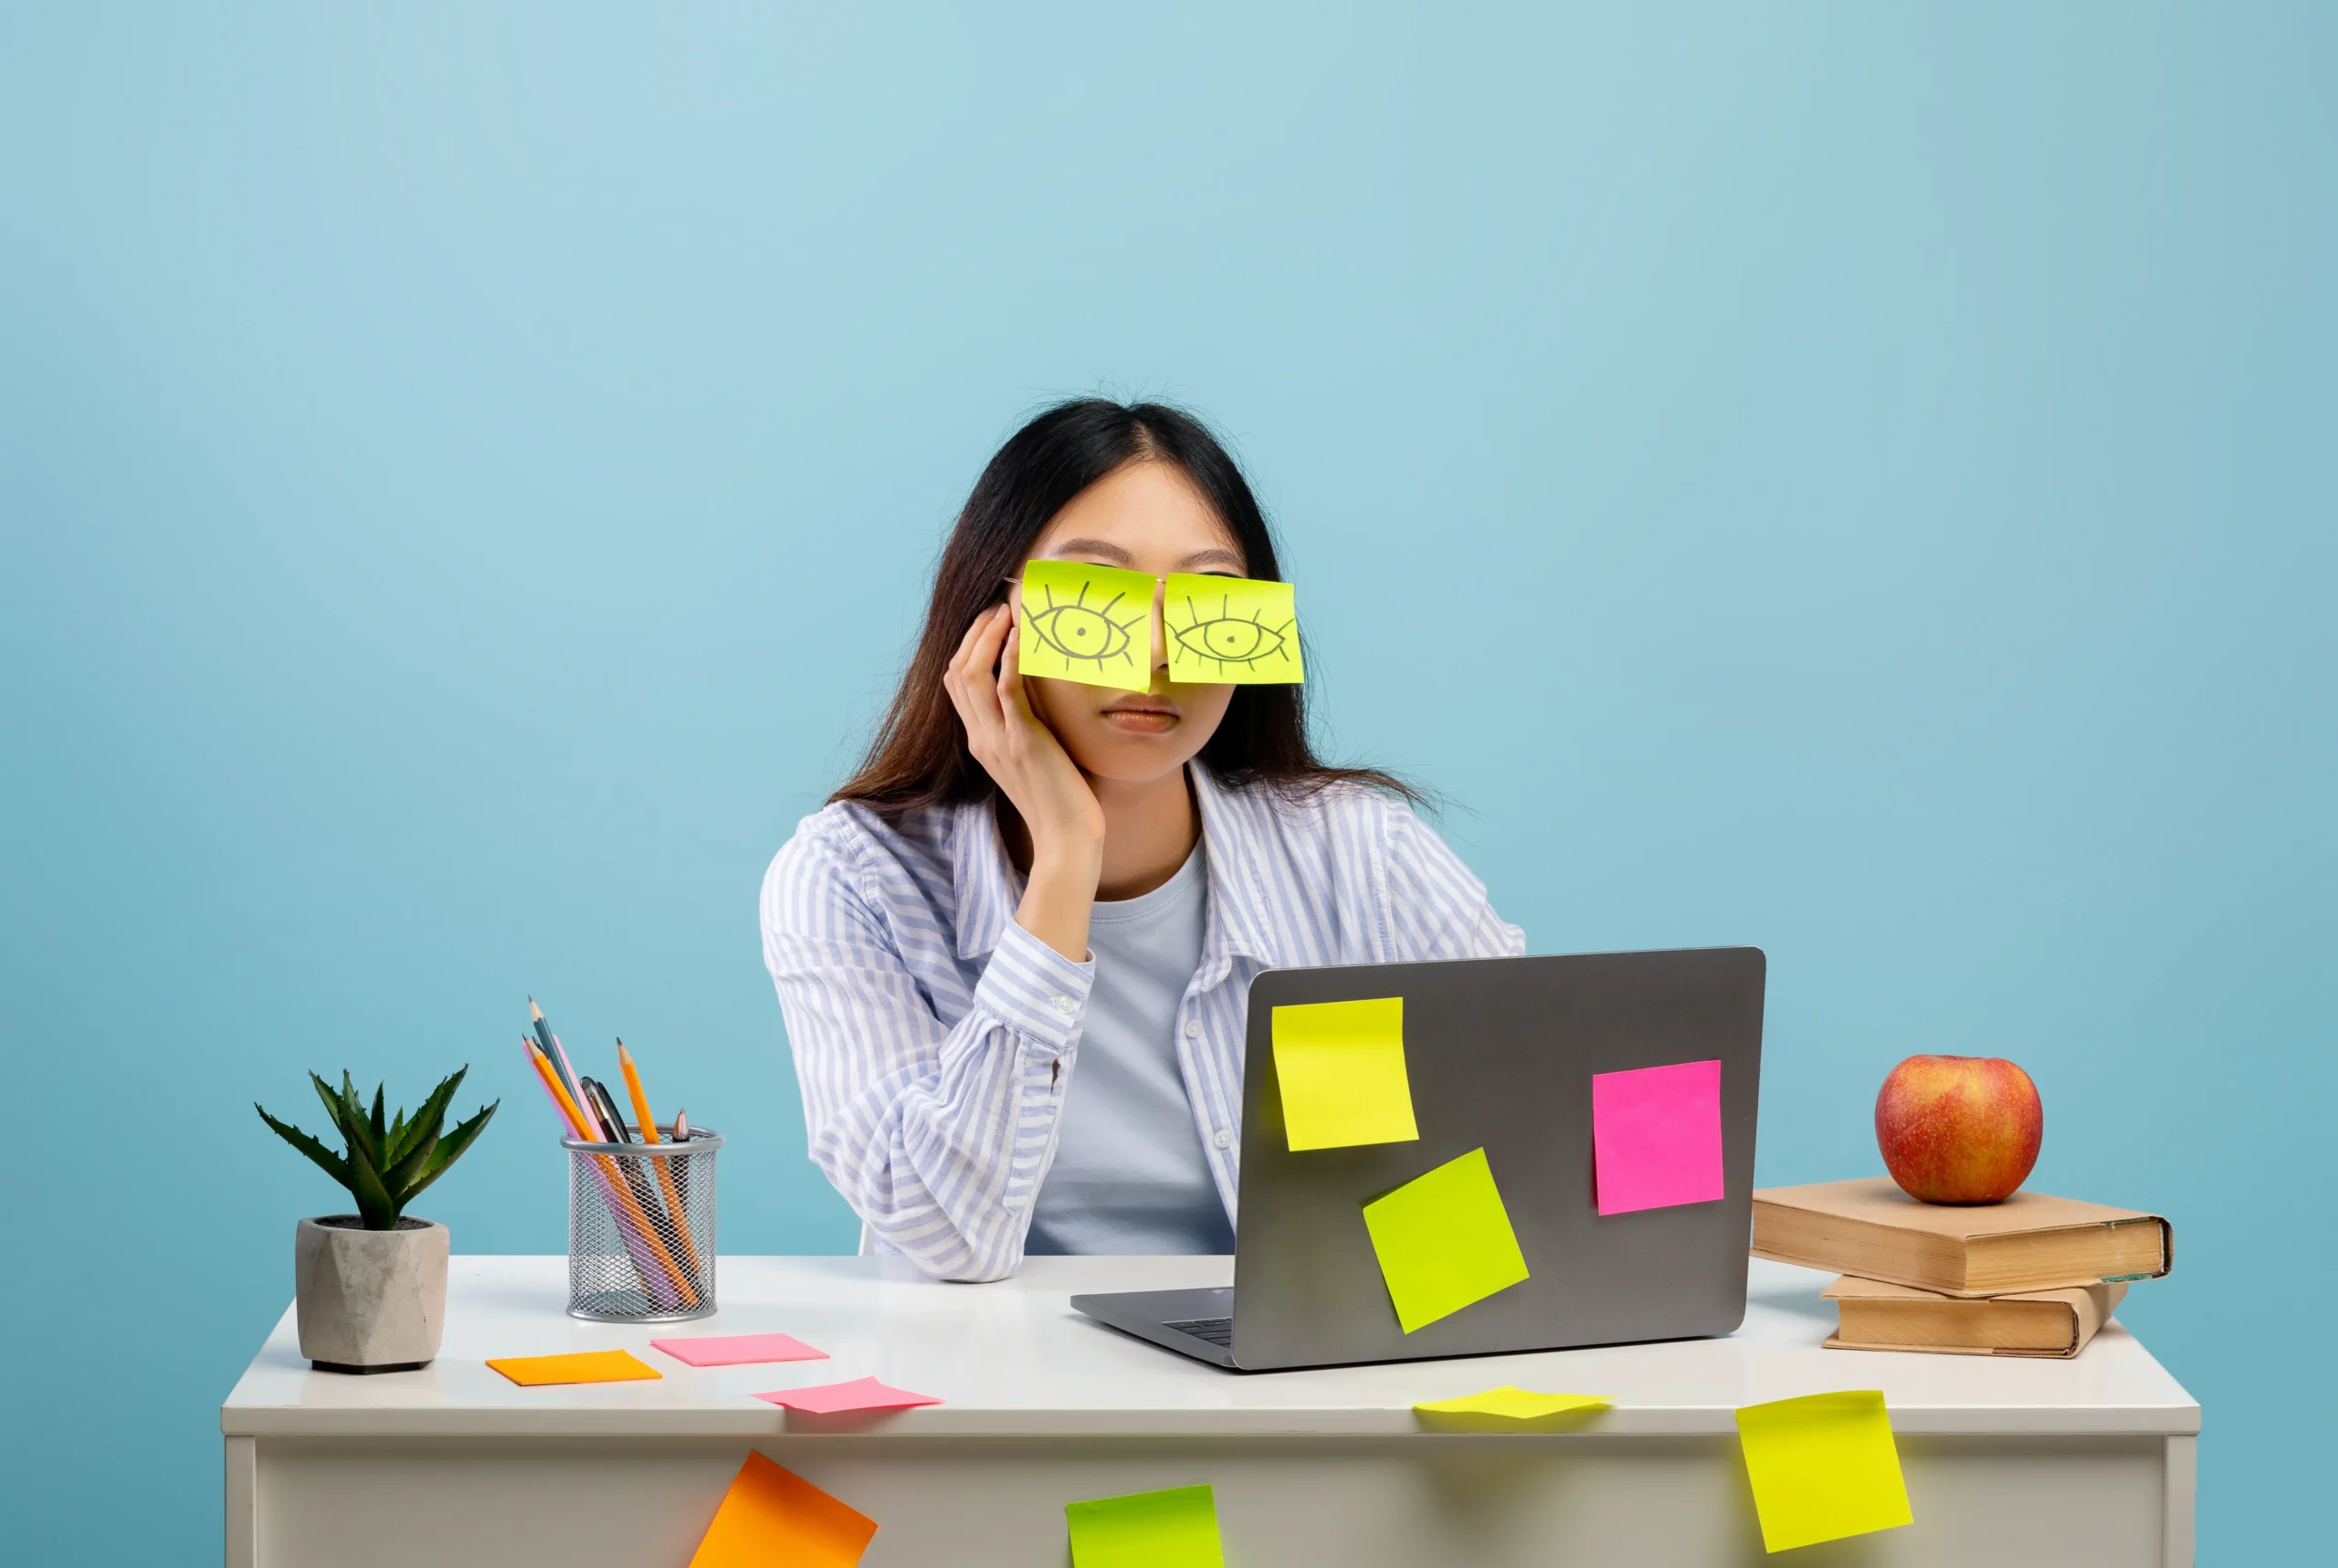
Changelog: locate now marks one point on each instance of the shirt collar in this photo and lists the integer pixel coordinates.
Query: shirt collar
(984, 884)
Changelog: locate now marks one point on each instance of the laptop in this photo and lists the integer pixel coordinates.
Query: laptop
(1499, 1055)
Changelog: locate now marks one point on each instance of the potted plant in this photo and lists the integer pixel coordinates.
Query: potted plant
(371, 1286)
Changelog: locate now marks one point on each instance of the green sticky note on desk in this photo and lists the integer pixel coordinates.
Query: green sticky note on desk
(1822, 1466)
(1341, 1065)
(1089, 624)
(1231, 631)
(1444, 1241)
(1172, 1529)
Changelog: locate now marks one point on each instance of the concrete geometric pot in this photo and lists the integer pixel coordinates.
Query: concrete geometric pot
(370, 1301)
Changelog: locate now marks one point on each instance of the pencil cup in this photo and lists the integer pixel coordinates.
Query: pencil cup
(641, 1230)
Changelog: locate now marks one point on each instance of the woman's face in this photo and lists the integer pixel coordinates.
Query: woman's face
(1144, 517)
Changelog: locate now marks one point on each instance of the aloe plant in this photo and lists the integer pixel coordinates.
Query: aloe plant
(387, 1162)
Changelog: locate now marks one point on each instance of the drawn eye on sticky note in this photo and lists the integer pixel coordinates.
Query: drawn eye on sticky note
(1089, 624)
(1822, 1466)
(1231, 631)
(1340, 1067)
(1444, 1241)
(1655, 1137)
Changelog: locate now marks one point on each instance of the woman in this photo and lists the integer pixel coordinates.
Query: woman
(1014, 949)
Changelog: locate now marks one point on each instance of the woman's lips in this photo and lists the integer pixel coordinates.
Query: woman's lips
(1141, 718)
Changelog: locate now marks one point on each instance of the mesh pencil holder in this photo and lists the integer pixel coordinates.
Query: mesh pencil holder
(641, 1230)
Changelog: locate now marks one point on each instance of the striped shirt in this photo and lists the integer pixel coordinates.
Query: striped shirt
(934, 1037)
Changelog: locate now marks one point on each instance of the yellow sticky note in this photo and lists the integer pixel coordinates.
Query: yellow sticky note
(1512, 1405)
(1822, 1466)
(585, 1367)
(1172, 1529)
(1089, 624)
(1231, 631)
(1341, 1065)
(1444, 1241)
(771, 1514)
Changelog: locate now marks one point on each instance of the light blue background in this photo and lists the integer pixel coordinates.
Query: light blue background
(467, 477)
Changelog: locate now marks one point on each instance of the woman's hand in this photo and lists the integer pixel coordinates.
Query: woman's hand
(1027, 763)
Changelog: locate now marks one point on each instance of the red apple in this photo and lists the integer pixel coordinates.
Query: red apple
(1959, 1130)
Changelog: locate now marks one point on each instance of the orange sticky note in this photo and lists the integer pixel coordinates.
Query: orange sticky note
(585, 1367)
(773, 1515)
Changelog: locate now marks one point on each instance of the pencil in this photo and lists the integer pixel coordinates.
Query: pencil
(576, 1090)
(550, 1043)
(613, 1183)
(613, 1128)
(649, 1135)
(653, 1283)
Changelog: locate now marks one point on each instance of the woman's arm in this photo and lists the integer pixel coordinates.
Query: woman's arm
(937, 1135)
(1031, 768)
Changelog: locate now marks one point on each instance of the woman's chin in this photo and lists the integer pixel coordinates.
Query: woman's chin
(1131, 759)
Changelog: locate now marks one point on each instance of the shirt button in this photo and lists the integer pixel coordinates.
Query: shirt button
(1222, 1139)
(1067, 1007)
(1012, 1201)
(1193, 1028)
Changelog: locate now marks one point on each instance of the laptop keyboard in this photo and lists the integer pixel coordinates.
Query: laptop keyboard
(1218, 1331)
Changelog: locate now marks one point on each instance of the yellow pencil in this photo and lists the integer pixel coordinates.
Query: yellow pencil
(649, 1135)
(616, 1179)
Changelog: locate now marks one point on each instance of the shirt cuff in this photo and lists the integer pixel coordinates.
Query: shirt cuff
(1036, 990)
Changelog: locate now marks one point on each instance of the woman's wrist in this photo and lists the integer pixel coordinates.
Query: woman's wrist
(1059, 896)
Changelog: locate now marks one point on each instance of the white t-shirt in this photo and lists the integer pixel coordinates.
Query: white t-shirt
(1129, 1174)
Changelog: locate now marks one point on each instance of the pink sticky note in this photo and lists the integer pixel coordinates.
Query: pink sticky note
(738, 1349)
(833, 1398)
(1656, 1136)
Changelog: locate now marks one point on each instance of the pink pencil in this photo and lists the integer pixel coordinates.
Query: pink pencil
(653, 1278)
(583, 1100)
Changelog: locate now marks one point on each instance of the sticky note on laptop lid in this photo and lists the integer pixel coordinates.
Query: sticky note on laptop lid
(1655, 1137)
(1822, 1466)
(1341, 1068)
(1444, 1241)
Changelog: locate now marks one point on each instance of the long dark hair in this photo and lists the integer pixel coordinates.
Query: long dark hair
(919, 757)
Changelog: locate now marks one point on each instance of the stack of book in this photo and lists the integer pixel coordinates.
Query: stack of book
(2032, 1276)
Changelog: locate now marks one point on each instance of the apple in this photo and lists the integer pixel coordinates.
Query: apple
(1959, 1130)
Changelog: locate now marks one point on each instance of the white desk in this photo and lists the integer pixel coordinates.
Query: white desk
(2008, 1461)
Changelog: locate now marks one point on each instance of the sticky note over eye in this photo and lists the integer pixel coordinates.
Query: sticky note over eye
(1231, 631)
(1172, 1529)
(1655, 1137)
(1444, 1241)
(1341, 1066)
(1089, 624)
(771, 1514)
(1822, 1466)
